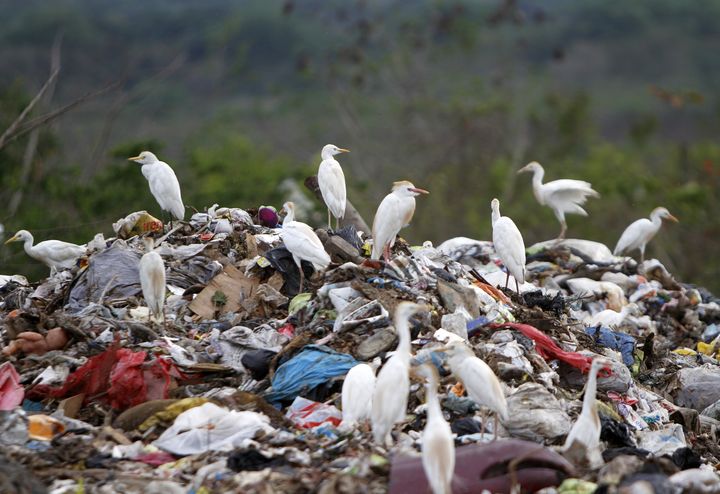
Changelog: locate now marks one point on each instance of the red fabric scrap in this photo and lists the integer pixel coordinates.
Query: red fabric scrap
(156, 458)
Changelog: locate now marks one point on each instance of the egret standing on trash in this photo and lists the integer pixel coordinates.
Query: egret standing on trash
(586, 430)
(393, 381)
(481, 383)
(438, 447)
(152, 279)
(55, 254)
(164, 185)
(562, 196)
(357, 394)
(640, 232)
(331, 181)
(302, 242)
(394, 212)
(509, 245)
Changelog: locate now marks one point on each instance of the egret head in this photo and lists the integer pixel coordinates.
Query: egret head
(663, 214)
(531, 167)
(288, 210)
(331, 150)
(144, 158)
(602, 365)
(458, 349)
(407, 189)
(495, 206)
(20, 236)
(405, 310)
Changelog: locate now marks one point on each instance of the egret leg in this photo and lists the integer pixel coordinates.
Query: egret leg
(386, 253)
(495, 427)
(642, 254)
(507, 279)
(517, 287)
(302, 279)
(329, 220)
(563, 229)
(482, 424)
(337, 223)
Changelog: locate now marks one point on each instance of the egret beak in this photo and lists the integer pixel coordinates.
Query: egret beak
(523, 169)
(343, 150)
(135, 158)
(13, 239)
(418, 190)
(672, 218)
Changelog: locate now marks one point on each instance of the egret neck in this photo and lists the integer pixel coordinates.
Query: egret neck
(403, 329)
(589, 404)
(538, 174)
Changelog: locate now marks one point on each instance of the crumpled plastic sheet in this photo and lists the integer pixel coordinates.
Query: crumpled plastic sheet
(111, 275)
(234, 343)
(211, 428)
(120, 375)
(615, 340)
(308, 414)
(311, 367)
(11, 391)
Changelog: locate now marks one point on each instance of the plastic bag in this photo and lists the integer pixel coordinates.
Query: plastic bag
(11, 391)
(211, 428)
(308, 414)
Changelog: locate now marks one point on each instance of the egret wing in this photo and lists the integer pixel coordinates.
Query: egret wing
(165, 187)
(569, 194)
(357, 393)
(302, 241)
(482, 385)
(390, 217)
(634, 236)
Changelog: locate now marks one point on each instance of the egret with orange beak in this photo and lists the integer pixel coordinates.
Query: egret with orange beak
(640, 232)
(164, 185)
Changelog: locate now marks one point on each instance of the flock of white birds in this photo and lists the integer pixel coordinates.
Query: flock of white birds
(382, 400)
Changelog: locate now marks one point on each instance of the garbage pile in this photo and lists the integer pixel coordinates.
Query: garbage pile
(236, 385)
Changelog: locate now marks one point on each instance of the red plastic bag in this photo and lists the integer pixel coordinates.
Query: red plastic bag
(11, 391)
(119, 376)
(547, 348)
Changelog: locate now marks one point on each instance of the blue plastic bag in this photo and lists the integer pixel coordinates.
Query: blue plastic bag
(615, 340)
(311, 367)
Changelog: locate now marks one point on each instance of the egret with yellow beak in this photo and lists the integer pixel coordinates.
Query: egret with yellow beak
(331, 181)
(395, 212)
(55, 254)
(509, 245)
(640, 232)
(164, 185)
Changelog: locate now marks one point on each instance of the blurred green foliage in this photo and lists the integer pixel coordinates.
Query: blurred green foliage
(454, 95)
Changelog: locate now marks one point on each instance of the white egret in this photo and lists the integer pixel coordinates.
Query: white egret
(302, 242)
(509, 245)
(164, 185)
(640, 232)
(610, 318)
(55, 254)
(438, 447)
(357, 394)
(331, 181)
(152, 279)
(586, 430)
(393, 382)
(562, 196)
(481, 383)
(395, 212)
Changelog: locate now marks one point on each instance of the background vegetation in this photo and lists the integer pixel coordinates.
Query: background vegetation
(453, 95)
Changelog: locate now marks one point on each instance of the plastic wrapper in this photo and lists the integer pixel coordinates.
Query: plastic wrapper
(309, 414)
(11, 391)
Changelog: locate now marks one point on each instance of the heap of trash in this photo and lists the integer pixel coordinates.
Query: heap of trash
(236, 386)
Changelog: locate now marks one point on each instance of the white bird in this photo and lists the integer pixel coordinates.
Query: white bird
(302, 242)
(331, 181)
(357, 394)
(55, 254)
(586, 430)
(481, 383)
(640, 232)
(152, 279)
(393, 381)
(438, 447)
(509, 245)
(610, 318)
(562, 196)
(164, 184)
(394, 212)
